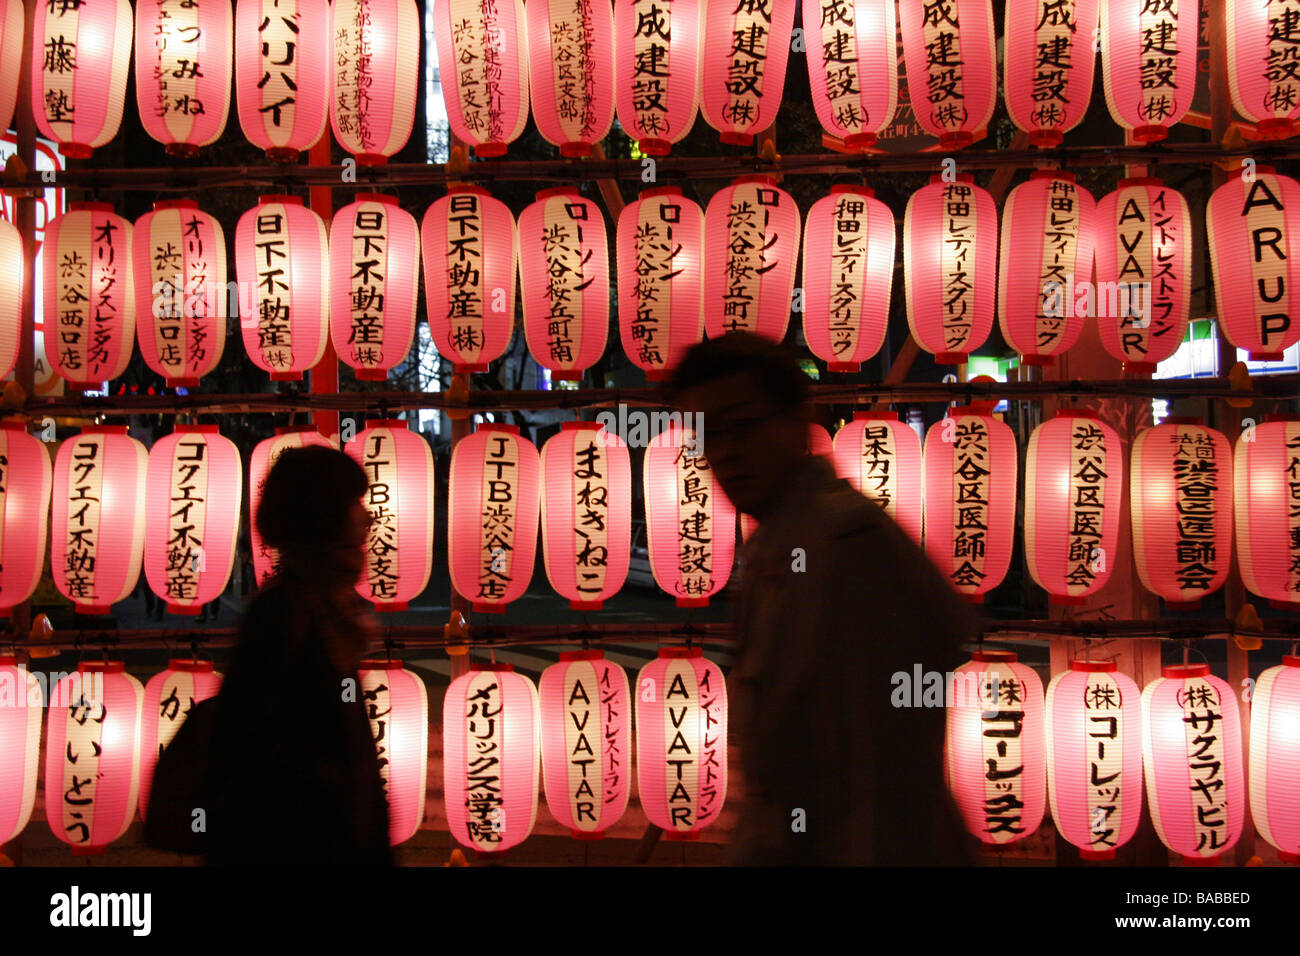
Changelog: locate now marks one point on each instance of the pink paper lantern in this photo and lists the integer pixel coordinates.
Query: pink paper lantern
(266, 560)
(493, 491)
(1048, 229)
(1180, 496)
(657, 55)
(660, 242)
(1191, 745)
(746, 46)
(1094, 757)
(179, 257)
(20, 746)
(571, 71)
(1074, 484)
(169, 696)
(1148, 63)
(1266, 463)
(282, 74)
(483, 47)
(374, 280)
(1274, 757)
(564, 275)
(282, 254)
(397, 704)
(376, 66)
(852, 67)
(98, 521)
(951, 67)
(586, 742)
(1261, 65)
(25, 485)
(681, 741)
(490, 734)
(1254, 237)
(12, 280)
(1048, 65)
(11, 54)
(819, 443)
(184, 53)
(995, 759)
(753, 226)
(881, 457)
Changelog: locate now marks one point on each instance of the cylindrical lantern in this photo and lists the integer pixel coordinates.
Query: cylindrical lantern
(397, 704)
(1094, 757)
(374, 279)
(848, 276)
(98, 519)
(266, 560)
(660, 242)
(586, 742)
(881, 457)
(657, 52)
(951, 67)
(1148, 63)
(1143, 293)
(399, 496)
(376, 73)
(25, 485)
(88, 294)
(1262, 76)
(1274, 757)
(20, 744)
(282, 262)
(690, 522)
(819, 443)
(490, 741)
(1266, 466)
(283, 74)
(950, 262)
(1180, 496)
(852, 53)
(184, 53)
(970, 500)
(81, 51)
(1048, 229)
(754, 228)
(571, 71)
(564, 275)
(681, 741)
(1048, 65)
(493, 490)
(1191, 745)
(179, 255)
(483, 50)
(169, 696)
(92, 755)
(1254, 240)
(994, 756)
(746, 46)
(12, 279)
(11, 55)
(1074, 483)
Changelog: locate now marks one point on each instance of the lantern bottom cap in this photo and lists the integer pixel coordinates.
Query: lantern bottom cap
(1266, 356)
(1150, 134)
(465, 368)
(1286, 856)
(1065, 600)
(1182, 605)
(1046, 138)
(956, 140)
(1036, 360)
(692, 602)
(860, 140)
(283, 154)
(1201, 860)
(182, 382)
(1096, 854)
(682, 836)
(489, 608)
(286, 376)
(93, 609)
(1139, 369)
(733, 138)
(383, 608)
(951, 358)
(654, 147)
(843, 366)
(76, 150)
(186, 609)
(489, 151)
(1275, 127)
(575, 150)
(182, 150)
(657, 375)
(371, 159)
(89, 850)
(371, 374)
(587, 836)
(585, 605)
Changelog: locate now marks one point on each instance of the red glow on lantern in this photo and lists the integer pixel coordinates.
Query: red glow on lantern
(1265, 463)
(397, 704)
(25, 484)
(20, 744)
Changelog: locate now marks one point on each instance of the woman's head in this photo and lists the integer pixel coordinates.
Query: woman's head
(311, 510)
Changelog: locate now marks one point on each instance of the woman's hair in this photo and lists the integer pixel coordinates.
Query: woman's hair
(308, 498)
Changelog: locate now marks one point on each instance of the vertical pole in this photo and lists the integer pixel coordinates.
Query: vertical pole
(325, 376)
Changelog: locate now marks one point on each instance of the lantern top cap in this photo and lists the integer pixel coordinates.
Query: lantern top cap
(497, 427)
(762, 179)
(875, 416)
(294, 429)
(190, 666)
(1096, 667)
(557, 191)
(587, 655)
(840, 189)
(494, 666)
(957, 178)
(1183, 420)
(101, 667)
(88, 206)
(384, 198)
(387, 423)
(196, 430)
(572, 426)
(680, 652)
(660, 191)
(995, 657)
(1180, 671)
(104, 430)
(1053, 174)
(460, 189)
(1291, 660)
(1076, 413)
(14, 425)
(1141, 181)
(8, 660)
(162, 204)
(282, 198)
(1282, 417)
(376, 664)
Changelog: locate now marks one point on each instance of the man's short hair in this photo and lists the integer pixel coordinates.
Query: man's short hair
(773, 365)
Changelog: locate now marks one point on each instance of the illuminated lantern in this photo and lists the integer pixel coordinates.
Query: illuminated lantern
(98, 520)
(282, 74)
(1148, 63)
(881, 457)
(266, 560)
(81, 50)
(491, 800)
(660, 244)
(483, 45)
(819, 443)
(1143, 293)
(994, 758)
(1274, 757)
(657, 71)
(749, 282)
(1261, 72)
(950, 260)
(1074, 483)
(374, 278)
(571, 71)
(92, 755)
(184, 53)
(1048, 65)
(25, 485)
(681, 741)
(848, 275)
(1255, 253)
(1048, 228)
(281, 251)
(690, 522)
(169, 696)
(399, 545)
(564, 275)
(852, 67)
(494, 495)
(951, 67)
(12, 276)
(1266, 463)
(746, 46)
(179, 256)
(586, 502)
(1191, 746)
(586, 742)
(11, 54)
(397, 704)
(1094, 757)
(376, 65)
(1180, 496)
(970, 500)
(20, 744)
(88, 294)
